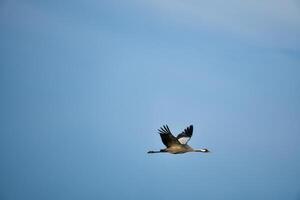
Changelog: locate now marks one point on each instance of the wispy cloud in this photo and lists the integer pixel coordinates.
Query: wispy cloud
(269, 22)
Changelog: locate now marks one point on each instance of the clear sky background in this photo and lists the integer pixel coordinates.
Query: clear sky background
(85, 85)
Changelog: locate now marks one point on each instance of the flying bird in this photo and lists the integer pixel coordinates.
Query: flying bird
(177, 145)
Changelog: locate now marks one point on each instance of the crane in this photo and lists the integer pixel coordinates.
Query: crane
(177, 145)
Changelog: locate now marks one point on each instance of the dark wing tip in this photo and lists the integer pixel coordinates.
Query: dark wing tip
(187, 132)
(164, 130)
(191, 127)
(168, 129)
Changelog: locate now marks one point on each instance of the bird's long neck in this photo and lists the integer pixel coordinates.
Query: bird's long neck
(201, 150)
(160, 151)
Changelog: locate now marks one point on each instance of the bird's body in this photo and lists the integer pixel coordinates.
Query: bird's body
(177, 145)
(182, 148)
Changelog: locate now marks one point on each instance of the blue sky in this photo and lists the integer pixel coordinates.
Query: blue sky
(86, 84)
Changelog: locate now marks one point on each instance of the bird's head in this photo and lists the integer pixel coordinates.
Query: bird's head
(205, 151)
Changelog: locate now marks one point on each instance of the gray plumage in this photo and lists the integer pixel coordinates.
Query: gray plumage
(177, 145)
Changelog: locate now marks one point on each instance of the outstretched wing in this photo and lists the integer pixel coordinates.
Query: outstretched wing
(166, 136)
(186, 135)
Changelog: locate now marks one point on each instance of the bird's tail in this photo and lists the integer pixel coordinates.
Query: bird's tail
(160, 151)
